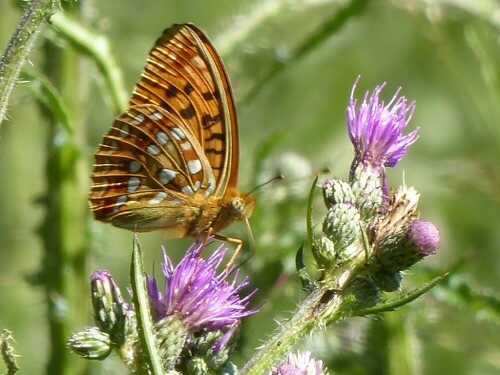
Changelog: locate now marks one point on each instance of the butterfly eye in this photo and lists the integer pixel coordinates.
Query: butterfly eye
(238, 206)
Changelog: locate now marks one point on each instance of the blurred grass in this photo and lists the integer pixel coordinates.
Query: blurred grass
(445, 57)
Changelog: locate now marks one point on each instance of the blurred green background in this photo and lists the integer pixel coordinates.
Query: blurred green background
(291, 83)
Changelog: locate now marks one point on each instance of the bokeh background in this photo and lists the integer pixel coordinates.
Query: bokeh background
(292, 65)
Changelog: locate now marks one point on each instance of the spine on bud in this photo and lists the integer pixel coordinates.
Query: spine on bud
(171, 337)
(367, 187)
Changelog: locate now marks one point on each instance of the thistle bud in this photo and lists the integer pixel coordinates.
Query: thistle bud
(388, 281)
(324, 251)
(111, 312)
(171, 337)
(91, 343)
(197, 366)
(424, 236)
(365, 293)
(342, 224)
(337, 191)
(421, 240)
(367, 189)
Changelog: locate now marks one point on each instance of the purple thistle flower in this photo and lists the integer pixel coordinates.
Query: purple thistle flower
(300, 363)
(425, 237)
(195, 294)
(376, 129)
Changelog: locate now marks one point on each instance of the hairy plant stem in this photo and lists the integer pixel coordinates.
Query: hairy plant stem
(322, 307)
(64, 229)
(19, 47)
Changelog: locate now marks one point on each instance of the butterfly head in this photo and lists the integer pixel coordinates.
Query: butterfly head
(242, 206)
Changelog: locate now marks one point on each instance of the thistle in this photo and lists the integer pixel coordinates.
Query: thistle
(370, 234)
(300, 363)
(196, 316)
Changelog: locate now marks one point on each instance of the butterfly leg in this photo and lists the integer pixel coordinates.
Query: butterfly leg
(237, 242)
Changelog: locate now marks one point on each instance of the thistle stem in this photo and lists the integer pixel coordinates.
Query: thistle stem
(323, 306)
(19, 47)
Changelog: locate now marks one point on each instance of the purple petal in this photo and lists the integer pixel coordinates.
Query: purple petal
(376, 129)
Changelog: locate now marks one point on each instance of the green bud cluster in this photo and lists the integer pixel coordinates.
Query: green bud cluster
(369, 239)
(202, 355)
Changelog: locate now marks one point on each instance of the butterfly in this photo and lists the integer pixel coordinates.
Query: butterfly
(170, 161)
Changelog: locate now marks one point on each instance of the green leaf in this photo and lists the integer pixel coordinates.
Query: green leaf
(403, 300)
(309, 220)
(143, 314)
(48, 95)
(304, 278)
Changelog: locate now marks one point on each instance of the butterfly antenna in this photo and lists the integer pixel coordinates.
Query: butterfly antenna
(316, 173)
(271, 180)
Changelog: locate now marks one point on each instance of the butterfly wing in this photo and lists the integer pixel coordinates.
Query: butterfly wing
(147, 171)
(178, 138)
(185, 76)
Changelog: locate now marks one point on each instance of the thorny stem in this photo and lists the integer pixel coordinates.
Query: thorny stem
(318, 308)
(325, 305)
(19, 47)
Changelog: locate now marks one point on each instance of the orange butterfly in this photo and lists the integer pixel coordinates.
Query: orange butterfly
(170, 161)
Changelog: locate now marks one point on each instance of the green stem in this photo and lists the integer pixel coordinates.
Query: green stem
(97, 48)
(19, 47)
(64, 229)
(320, 308)
(401, 353)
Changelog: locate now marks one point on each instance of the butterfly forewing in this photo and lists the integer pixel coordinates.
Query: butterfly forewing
(184, 75)
(148, 162)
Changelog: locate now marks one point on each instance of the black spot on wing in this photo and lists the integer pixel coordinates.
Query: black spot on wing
(171, 92)
(207, 121)
(188, 113)
(188, 89)
(166, 106)
(214, 136)
(208, 96)
(214, 151)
